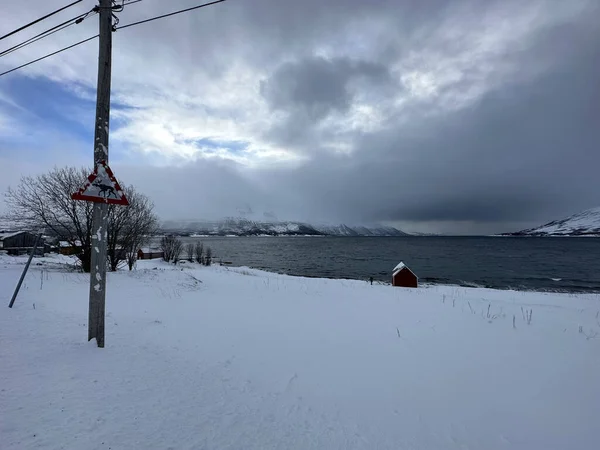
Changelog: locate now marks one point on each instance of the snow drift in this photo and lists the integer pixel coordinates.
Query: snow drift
(234, 358)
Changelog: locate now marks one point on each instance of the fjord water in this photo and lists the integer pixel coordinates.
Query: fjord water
(548, 264)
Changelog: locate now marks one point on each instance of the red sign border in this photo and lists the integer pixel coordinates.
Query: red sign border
(88, 198)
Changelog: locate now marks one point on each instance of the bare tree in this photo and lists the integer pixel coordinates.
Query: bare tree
(167, 244)
(45, 200)
(208, 259)
(139, 225)
(171, 247)
(131, 258)
(129, 228)
(199, 252)
(177, 250)
(189, 249)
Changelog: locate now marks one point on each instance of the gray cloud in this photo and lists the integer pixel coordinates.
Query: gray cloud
(305, 92)
(318, 86)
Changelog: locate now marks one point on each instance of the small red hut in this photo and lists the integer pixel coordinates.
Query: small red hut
(150, 253)
(404, 277)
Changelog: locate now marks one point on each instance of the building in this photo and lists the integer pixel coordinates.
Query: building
(20, 242)
(69, 248)
(404, 277)
(150, 253)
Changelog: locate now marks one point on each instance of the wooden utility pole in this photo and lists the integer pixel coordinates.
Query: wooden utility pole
(100, 211)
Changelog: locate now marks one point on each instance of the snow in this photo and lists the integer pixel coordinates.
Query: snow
(9, 235)
(399, 267)
(66, 244)
(281, 227)
(242, 226)
(150, 249)
(234, 358)
(585, 222)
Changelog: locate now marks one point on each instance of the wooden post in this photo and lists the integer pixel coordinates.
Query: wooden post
(100, 211)
(35, 244)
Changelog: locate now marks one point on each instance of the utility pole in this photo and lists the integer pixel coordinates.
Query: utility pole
(100, 210)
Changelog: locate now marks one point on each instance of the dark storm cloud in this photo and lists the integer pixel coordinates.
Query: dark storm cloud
(307, 91)
(316, 86)
(525, 152)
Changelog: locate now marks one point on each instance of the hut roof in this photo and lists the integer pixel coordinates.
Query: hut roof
(401, 266)
(9, 235)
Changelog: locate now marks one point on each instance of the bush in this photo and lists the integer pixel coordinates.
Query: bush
(190, 248)
(171, 247)
(199, 252)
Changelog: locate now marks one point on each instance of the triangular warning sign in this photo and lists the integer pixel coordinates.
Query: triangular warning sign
(101, 187)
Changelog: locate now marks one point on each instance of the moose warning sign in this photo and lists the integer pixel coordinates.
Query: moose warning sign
(101, 187)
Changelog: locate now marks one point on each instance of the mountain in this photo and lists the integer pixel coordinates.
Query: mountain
(237, 226)
(585, 223)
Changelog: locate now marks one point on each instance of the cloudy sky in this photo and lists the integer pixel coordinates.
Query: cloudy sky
(465, 116)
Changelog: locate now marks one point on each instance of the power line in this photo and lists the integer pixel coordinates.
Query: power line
(124, 26)
(120, 7)
(170, 14)
(47, 56)
(35, 39)
(61, 26)
(39, 20)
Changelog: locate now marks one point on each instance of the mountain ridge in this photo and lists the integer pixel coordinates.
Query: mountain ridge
(238, 226)
(584, 223)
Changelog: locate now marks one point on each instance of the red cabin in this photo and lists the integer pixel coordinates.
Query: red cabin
(404, 277)
(149, 253)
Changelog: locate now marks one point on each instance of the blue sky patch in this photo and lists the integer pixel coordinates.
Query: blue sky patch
(49, 105)
(233, 146)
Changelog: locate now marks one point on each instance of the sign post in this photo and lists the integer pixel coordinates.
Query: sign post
(101, 187)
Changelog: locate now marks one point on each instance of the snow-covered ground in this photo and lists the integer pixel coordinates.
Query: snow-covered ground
(234, 358)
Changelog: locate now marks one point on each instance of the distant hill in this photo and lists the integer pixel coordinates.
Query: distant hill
(236, 226)
(585, 223)
(9, 225)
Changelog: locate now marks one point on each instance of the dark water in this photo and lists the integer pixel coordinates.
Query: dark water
(550, 264)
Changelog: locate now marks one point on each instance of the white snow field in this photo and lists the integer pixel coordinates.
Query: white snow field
(234, 358)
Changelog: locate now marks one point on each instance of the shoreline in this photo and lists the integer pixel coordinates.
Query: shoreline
(426, 284)
(54, 260)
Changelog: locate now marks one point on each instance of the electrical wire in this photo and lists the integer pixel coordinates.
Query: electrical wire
(170, 14)
(48, 55)
(124, 26)
(61, 26)
(39, 20)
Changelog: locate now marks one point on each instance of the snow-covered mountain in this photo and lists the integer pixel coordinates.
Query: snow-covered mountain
(345, 230)
(585, 223)
(235, 226)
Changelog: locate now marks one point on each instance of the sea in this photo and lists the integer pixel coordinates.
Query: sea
(521, 263)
